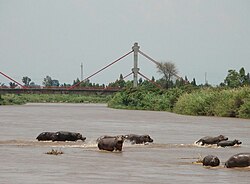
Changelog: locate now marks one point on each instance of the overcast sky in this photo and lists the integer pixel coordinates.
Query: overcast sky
(52, 37)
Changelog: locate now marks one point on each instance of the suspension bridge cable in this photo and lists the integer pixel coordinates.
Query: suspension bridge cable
(157, 63)
(13, 80)
(128, 75)
(100, 70)
(157, 85)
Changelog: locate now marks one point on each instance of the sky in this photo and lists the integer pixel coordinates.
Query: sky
(40, 38)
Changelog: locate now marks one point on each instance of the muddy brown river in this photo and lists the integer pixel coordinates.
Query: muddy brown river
(168, 160)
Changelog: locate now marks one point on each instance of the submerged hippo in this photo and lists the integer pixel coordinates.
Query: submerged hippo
(138, 139)
(229, 143)
(111, 143)
(45, 136)
(211, 160)
(107, 136)
(67, 136)
(211, 140)
(238, 160)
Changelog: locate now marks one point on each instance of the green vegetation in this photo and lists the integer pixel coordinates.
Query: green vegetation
(10, 99)
(158, 100)
(189, 101)
(230, 99)
(215, 102)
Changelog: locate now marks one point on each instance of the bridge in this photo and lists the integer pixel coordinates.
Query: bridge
(76, 89)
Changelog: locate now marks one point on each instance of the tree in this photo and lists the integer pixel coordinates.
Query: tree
(26, 80)
(55, 83)
(13, 85)
(168, 69)
(121, 82)
(232, 79)
(47, 81)
(194, 82)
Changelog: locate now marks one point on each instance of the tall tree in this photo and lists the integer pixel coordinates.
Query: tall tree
(169, 70)
(26, 80)
(47, 81)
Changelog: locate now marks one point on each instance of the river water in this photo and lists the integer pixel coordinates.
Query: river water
(168, 160)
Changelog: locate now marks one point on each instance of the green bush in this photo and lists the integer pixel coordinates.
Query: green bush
(143, 99)
(9, 99)
(215, 102)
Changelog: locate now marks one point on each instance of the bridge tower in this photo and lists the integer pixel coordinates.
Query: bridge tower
(135, 70)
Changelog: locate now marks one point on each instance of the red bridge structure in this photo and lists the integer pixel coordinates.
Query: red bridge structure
(76, 89)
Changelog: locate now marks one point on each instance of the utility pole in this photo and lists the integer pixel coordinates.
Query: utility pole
(135, 70)
(81, 72)
(206, 78)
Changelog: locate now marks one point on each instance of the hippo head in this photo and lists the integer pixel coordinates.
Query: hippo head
(211, 160)
(147, 138)
(237, 142)
(79, 136)
(120, 138)
(222, 138)
(119, 142)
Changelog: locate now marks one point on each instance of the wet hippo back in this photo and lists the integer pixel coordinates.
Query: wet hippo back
(238, 160)
(211, 160)
(67, 136)
(229, 143)
(138, 139)
(45, 136)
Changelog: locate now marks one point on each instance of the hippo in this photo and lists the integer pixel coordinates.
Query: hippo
(229, 143)
(45, 136)
(67, 136)
(211, 160)
(238, 160)
(212, 140)
(111, 143)
(138, 139)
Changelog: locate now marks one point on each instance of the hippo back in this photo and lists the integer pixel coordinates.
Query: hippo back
(138, 139)
(228, 143)
(238, 160)
(67, 136)
(211, 160)
(45, 136)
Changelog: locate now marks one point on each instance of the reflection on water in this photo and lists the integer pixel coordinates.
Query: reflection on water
(170, 159)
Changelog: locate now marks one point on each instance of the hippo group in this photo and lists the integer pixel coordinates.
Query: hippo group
(60, 136)
(238, 160)
(220, 140)
(115, 143)
(105, 142)
(211, 140)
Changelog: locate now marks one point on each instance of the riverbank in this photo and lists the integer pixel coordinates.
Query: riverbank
(11, 99)
(197, 102)
(189, 101)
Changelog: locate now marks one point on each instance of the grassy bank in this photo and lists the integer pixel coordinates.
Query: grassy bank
(205, 102)
(10, 99)
(215, 102)
(188, 101)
